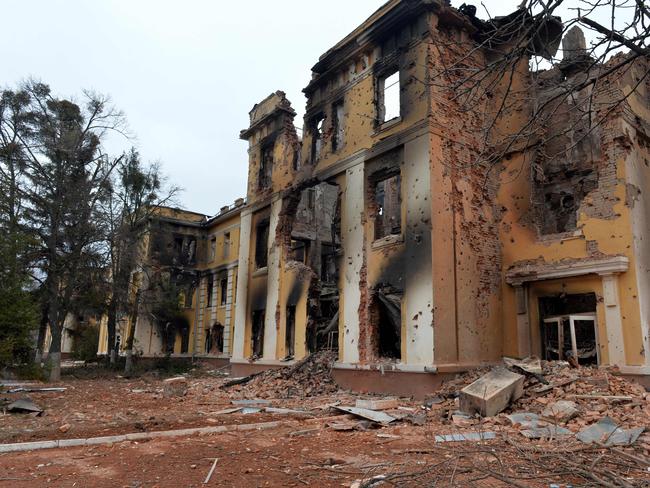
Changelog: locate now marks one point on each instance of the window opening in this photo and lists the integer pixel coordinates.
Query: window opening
(389, 97)
(257, 333)
(261, 243)
(388, 218)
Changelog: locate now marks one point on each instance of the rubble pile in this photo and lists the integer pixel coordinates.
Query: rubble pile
(596, 392)
(558, 400)
(309, 377)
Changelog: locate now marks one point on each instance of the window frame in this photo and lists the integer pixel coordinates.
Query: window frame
(374, 181)
(338, 134)
(226, 245)
(265, 172)
(380, 95)
(317, 135)
(262, 224)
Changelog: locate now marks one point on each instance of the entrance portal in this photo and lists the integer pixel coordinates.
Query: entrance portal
(569, 328)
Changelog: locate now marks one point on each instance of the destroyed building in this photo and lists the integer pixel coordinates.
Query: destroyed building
(196, 257)
(382, 234)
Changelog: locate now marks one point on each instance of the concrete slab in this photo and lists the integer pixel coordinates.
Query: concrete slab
(492, 392)
(379, 417)
(378, 403)
(561, 411)
(470, 436)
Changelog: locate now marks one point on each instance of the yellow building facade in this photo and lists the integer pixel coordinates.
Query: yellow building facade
(428, 260)
(383, 231)
(198, 256)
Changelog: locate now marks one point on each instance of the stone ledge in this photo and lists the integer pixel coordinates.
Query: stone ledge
(518, 275)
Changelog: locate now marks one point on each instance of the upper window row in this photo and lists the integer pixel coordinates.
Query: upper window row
(388, 108)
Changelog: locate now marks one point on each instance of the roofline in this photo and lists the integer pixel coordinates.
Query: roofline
(379, 23)
(207, 220)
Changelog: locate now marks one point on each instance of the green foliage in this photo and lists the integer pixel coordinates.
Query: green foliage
(31, 371)
(18, 308)
(85, 343)
(18, 316)
(167, 310)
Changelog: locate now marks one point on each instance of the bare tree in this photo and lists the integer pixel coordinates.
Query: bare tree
(136, 193)
(510, 67)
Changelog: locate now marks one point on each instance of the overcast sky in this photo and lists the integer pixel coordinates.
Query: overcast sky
(186, 73)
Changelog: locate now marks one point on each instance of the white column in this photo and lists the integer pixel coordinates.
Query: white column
(613, 320)
(213, 301)
(272, 284)
(242, 285)
(229, 316)
(418, 280)
(198, 327)
(523, 322)
(352, 241)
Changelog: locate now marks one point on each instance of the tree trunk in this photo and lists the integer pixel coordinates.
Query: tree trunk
(56, 330)
(54, 355)
(42, 332)
(111, 329)
(128, 367)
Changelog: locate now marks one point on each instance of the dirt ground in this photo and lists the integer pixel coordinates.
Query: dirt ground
(324, 448)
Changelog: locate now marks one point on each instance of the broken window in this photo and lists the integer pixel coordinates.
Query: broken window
(261, 243)
(185, 338)
(386, 317)
(317, 136)
(223, 290)
(189, 298)
(213, 248)
(214, 339)
(257, 333)
(569, 328)
(337, 125)
(328, 264)
(185, 249)
(266, 165)
(388, 97)
(290, 334)
(388, 216)
(210, 288)
(226, 245)
(299, 250)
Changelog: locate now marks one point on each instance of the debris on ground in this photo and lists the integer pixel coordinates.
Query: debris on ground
(287, 411)
(469, 436)
(561, 411)
(24, 405)
(175, 387)
(308, 377)
(251, 402)
(532, 442)
(34, 390)
(608, 433)
(492, 392)
(372, 415)
(378, 403)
